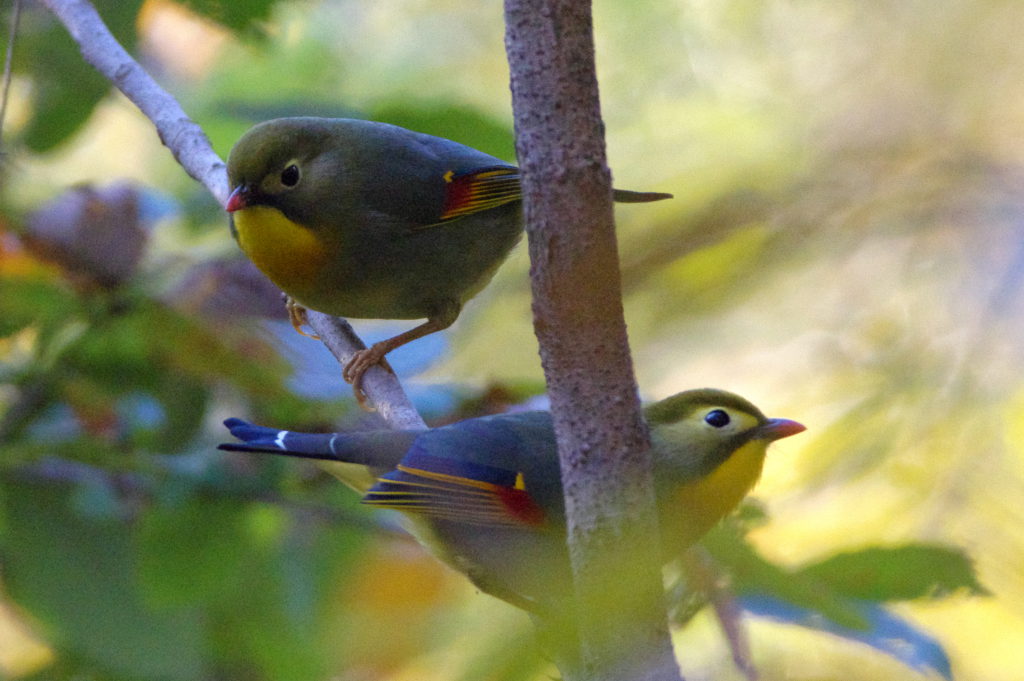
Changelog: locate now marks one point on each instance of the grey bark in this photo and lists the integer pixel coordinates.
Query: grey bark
(602, 438)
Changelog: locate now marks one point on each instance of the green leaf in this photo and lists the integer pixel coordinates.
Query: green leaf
(841, 595)
(75, 575)
(238, 15)
(185, 401)
(66, 88)
(97, 499)
(193, 552)
(897, 573)
(463, 124)
(68, 98)
(752, 574)
(32, 301)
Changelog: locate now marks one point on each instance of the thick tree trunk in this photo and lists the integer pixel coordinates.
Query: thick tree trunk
(602, 438)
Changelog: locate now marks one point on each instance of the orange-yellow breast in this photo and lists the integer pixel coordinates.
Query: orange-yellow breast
(292, 256)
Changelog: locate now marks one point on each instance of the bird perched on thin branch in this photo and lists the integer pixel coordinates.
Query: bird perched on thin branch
(363, 219)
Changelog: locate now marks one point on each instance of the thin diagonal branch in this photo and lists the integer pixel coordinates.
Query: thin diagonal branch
(381, 385)
(177, 131)
(193, 152)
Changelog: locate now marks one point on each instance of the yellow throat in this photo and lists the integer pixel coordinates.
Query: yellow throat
(702, 503)
(289, 254)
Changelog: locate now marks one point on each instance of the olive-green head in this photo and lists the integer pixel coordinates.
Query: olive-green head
(291, 164)
(695, 431)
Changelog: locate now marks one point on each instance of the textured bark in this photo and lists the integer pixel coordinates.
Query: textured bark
(602, 438)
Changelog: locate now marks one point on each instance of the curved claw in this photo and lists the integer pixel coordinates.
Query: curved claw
(362, 399)
(297, 316)
(358, 366)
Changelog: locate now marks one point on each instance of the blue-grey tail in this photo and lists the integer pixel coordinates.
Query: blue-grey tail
(380, 448)
(262, 439)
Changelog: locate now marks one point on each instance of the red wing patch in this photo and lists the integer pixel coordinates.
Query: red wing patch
(479, 190)
(458, 491)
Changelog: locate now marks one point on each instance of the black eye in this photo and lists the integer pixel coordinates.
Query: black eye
(290, 176)
(717, 418)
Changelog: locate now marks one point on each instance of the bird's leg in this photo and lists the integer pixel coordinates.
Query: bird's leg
(366, 358)
(297, 316)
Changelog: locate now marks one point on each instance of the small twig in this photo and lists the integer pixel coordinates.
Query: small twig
(707, 578)
(192, 150)
(15, 17)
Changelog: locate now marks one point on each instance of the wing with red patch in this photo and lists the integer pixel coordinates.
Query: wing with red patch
(456, 490)
(479, 190)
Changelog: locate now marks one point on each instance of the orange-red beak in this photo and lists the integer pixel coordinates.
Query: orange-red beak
(776, 429)
(240, 198)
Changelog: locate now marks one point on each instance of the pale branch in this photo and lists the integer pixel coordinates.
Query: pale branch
(191, 148)
(177, 131)
(379, 384)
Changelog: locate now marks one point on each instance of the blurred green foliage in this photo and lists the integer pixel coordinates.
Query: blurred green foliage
(844, 249)
(64, 85)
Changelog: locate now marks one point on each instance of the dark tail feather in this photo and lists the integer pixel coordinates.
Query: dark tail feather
(626, 196)
(262, 439)
(379, 449)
